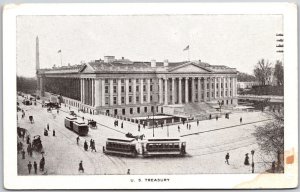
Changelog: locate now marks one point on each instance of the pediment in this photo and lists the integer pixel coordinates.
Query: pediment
(190, 68)
(86, 68)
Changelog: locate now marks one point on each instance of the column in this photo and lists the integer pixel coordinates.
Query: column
(186, 90)
(166, 91)
(93, 91)
(160, 90)
(205, 89)
(224, 87)
(179, 91)
(103, 91)
(210, 85)
(173, 90)
(126, 91)
(142, 91)
(193, 89)
(215, 88)
(81, 90)
(119, 92)
(97, 92)
(199, 89)
(220, 81)
(148, 90)
(228, 86)
(111, 92)
(234, 87)
(134, 91)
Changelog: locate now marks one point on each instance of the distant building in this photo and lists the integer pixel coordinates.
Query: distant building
(247, 85)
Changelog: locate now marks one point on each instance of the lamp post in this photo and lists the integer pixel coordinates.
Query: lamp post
(252, 153)
(154, 108)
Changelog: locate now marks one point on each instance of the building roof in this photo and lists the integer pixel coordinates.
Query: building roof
(125, 65)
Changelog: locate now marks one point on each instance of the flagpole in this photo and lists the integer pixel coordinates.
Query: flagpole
(60, 59)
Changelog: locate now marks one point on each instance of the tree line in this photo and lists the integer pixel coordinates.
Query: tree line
(26, 84)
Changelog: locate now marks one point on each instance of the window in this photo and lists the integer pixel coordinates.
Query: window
(144, 87)
(150, 80)
(106, 80)
(217, 84)
(106, 100)
(221, 93)
(137, 99)
(222, 85)
(230, 94)
(217, 94)
(129, 81)
(115, 100)
(107, 112)
(131, 110)
(202, 85)
(145, 109)
(150, 97)
(130, 89)
(114, 81)
(151, 87)
(212, 85)
(123, 111)
(207, 94)
(137, 81)
(226, 102)
(106, 89)
(196, 96)
(202, 96)
(122, 89)
(144, 80)
(115, 89)
(123, 100)
(138, 110)
(212, 94)
(152, 108)
(130, 99)
(207, 86)
(137, 88)
(171, 98)
(231, 101)
(144, 97)
(122, 80)
(225, 85)
(116, 111)
(225, 93)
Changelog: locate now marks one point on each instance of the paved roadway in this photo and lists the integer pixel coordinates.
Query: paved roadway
(207, 145)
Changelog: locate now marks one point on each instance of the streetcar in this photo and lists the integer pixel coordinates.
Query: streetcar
(81, 128)
(69, 122)
(124, 146)
(163, 146)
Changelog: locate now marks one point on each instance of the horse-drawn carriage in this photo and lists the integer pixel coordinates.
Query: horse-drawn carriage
(27, 102)
(37, 143)
(92, 124)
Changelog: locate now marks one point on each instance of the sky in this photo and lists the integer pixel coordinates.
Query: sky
(237, 41)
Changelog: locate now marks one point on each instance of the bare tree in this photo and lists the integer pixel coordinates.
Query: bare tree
(262, 71)
(278, 73)
(270, 137)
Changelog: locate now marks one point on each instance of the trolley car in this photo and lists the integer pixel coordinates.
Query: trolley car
(168, 146)
(69, 122)
(124, 146)
(81, 128)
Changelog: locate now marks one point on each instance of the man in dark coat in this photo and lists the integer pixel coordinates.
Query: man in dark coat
(227, 158)
(77, 139)
(23, 154)
(85, 146)
(29, 167)
(53, 133)
(35, 167)
(122, 125)
(241, 120)
(81, 167)
(246, 162)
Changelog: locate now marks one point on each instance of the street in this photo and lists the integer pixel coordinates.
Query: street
(207, 145)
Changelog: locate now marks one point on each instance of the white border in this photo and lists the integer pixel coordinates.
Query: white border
(12, 181)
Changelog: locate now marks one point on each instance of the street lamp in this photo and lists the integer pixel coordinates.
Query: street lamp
(252, 153)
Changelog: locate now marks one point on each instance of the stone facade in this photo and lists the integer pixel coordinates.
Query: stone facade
(126, 88)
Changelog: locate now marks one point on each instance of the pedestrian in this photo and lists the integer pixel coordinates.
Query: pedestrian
(139, 127)
(85, 146)
(35, 167)
(48, 126)
(241, 120)
(28, 149)
(81, 167)
(42, 164)
(217, 117)
(93, 146)
(23, 154)
(227, 158)
(197, 122)
(178, 128)
(82, 118)
(128, 172)
(246, 162)
(57, 111)
(122, 125)
(162, 124)
(53, 133)
(29, 167)
(187, 126)
(209, 116)
(77, 139)
(144, 125)
(190, 126)
(273, 167)
(30, 152)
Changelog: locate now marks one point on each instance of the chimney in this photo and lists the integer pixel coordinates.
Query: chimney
(166, 63)
(153, 63)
